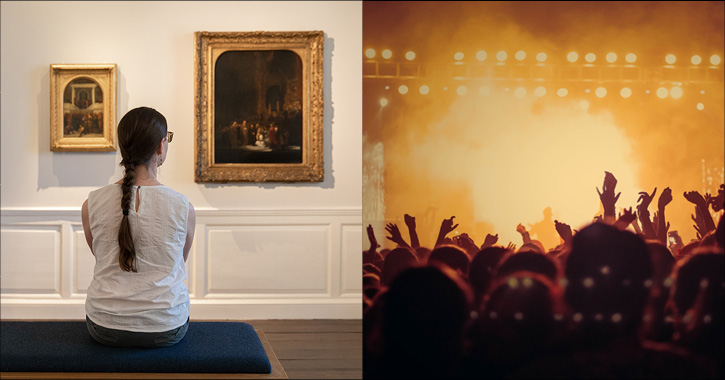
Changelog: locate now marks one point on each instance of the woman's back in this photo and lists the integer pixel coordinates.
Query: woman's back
(154, 298)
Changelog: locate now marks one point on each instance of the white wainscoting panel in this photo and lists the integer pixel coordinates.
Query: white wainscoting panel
(30, 260)
(244, 264)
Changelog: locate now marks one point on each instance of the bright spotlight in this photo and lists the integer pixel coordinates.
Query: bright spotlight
(630, 58)
(600, 92)
(590, 57)
(424, 90)
(462, 90)
(676, 92)
(387, 53)
(715, 59)
(370, 53)
(484, 90)
(562, 92)
(572, 57)
(520, 92)
(588, 90)
(403, 89)
(458, 56)
(410, 56)
(584, 105)
(696, 60)
(383, 102)
(670, 59)
(541, 57)
(520, 55)
(540, 91)
(700, 106)
(662, 92)
(626, 92)
(501, 55)
(481, 55)
(612, 57)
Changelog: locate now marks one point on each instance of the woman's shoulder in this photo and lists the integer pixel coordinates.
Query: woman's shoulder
(167, 191)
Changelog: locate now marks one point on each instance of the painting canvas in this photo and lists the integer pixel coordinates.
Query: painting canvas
(259, 107)
(82, 107)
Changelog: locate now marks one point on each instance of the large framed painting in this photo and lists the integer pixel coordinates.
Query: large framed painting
(82, 108)
(259, 106)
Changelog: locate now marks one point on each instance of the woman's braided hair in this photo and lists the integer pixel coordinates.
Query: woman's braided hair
(140, 132)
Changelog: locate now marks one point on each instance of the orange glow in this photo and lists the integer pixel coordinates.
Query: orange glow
(410, 56)
(403, 89)
(387, 53)
(484, 90)
(520, 92)
(370, 53)
(541, 57)
(590, 57)
(481, 55)
(662, 92)
(600, 92)
(670, 59)
(696, 60)
(715, 59)
(540, 91)
(611, 57)
(501, 56)
(584, 105)
(626, 92)
(572, 57)
(462, 90)
(562, 92)
(458, 56)
(700, 106)
(383, 102)
(424, 90)
(676, 92)
(630, 58)
(520, 55)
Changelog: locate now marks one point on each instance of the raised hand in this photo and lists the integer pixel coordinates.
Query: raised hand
(395, 235)
(665, 198)
(464, 241)
(718, 202)
(520, 228)
(701, 203)
(489, 241)
(371, 236)
(511, 247)
(607, 197)
(626, 217)
(446, 227)
(564, 231)
(644, 200)
(410, 222)
(695, 198)
(524, 234)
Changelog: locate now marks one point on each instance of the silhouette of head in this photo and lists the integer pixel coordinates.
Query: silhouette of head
(452, 256)
(528, 261)
(483, 267)
(396, 261)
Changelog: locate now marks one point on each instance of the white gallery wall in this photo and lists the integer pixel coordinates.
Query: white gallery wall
(261, 251)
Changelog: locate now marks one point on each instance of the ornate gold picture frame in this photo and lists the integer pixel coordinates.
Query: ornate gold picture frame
(259, 106)
(82, 108)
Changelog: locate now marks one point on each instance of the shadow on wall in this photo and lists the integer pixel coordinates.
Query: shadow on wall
(329, 112)
(71, 169)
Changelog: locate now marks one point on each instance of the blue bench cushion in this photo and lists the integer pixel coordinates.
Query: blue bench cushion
(208, 347)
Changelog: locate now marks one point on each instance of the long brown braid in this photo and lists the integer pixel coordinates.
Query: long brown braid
(140, 132)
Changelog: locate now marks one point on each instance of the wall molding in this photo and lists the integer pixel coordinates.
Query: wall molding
(322, 242)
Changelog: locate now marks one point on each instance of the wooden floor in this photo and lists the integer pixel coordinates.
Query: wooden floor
(316, 349)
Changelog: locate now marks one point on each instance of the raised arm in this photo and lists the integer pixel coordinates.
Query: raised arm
(373, 240)
(662, 225)
(698, 200)
(410, 223)
(607, 197)
(395, 235)
(564, 231)
(644, 201)
(524, 234)
(446, 228)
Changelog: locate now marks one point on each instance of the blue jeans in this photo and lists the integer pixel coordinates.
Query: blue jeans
(122, 338)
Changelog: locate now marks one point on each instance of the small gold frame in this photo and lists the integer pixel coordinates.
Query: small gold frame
(307, 90)
(82, 112)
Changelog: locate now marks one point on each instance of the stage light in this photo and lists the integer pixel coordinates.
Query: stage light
(590, 57)
(424, 90)
(562, 92)
(540, 91)
(702, 92)
(520, 92)
(484, 90)
(630, 58)
(481, 55)
(662, 92)
(588, 90)
(410, 56)
(696, 60)
(572, 57)
(403, 89)
(670, 59)
(501, 55)
(462, 90)
(387, 53)
(612, 57)
(626, 92)
(458, 56)
(616, 317)
(584, 105)
(387, 88)
(600, 92)
(520, 55)
(370, 53)
(700, 106)
(715, 59)
(541, 57)
(383, 102)
(676, 92)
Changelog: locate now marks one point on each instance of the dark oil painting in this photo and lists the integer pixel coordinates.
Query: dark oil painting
(82, 108)
(258, 107)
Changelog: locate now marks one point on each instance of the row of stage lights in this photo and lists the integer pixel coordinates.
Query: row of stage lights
(541, 57)
(675, 92)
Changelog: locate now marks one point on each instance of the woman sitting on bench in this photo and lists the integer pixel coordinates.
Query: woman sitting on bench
(137, 297)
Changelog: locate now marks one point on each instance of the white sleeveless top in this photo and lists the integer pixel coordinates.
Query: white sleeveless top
(155, 298)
